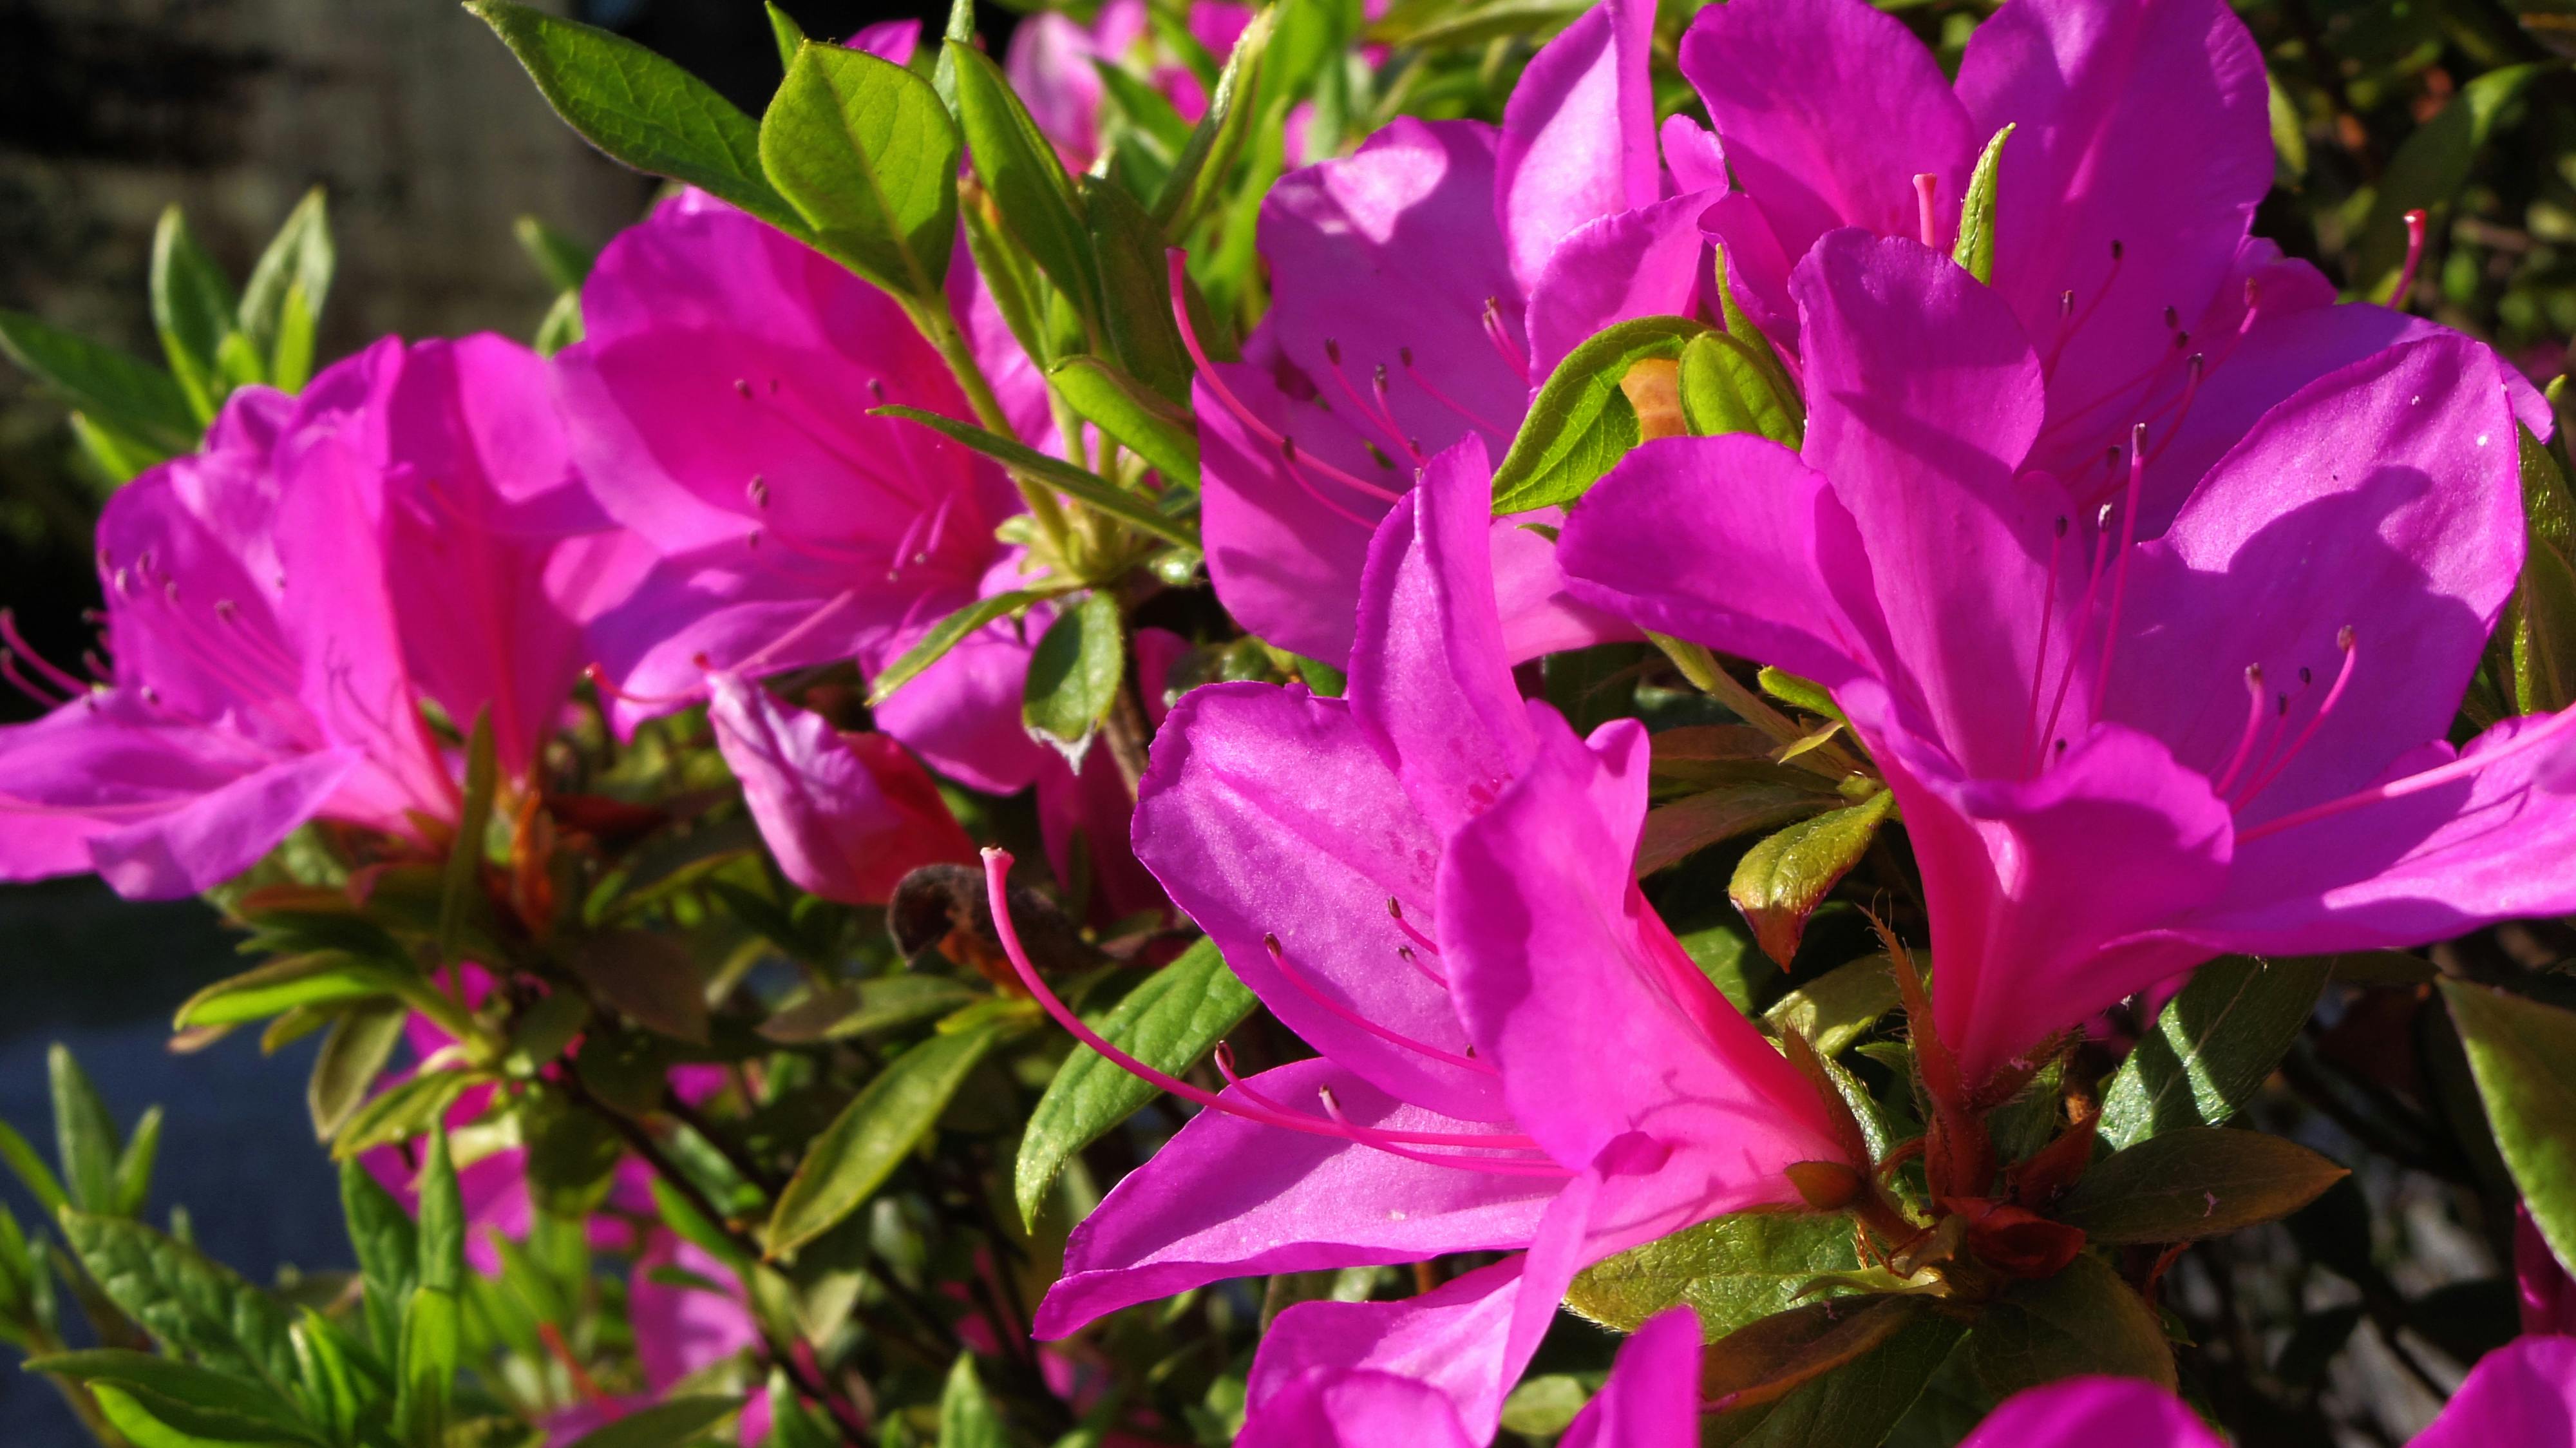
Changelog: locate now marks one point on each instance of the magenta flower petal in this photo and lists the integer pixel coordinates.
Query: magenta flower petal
(1453, 1340)
(2522, 1393)
(846, 815)
(1652, 1397)
(1324, 1409)
(1228, 1197)
(1431, 682)
(202, 842)
(2142, 125)
(1268, 814)
(1578, 134)
(1828, 110)
(2094, 1413)
(1642, 263)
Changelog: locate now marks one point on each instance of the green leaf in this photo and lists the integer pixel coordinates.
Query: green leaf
(299, 261)
(2212, 1047)
(2200, 1181)
(1087, 488)
(193, 308)
(1580, 423)
(1776, 797)
(387, 1247)
(318, 978)
(442, 1219)
(2083, 1320)
(357, 1050)
(650, 977)
(464, 870)
(2523, 1054)
(1168, 1022)
(1127, 410)
(878, 1004)
(943, 71)
(1076, 670)
(1781, 881)
(863, 1145)
(1444, 24)
(401, 1112)
(966, 1415)
(564, 262)
(1856, 1406)
(1976, 249)
(672, 1423)
(1727, 388)
(2289, 136)
(1144, 108)
(134, 1164)
(1733, 1271)
(2428, 171)
(86, 1140)
(138, 398)
(641, 109)
(867, 154)
(1197, 181)
(152, 1420)
(1136, 290)
(571, 1153)
(2534, 649)
(191, 1399)
(188, 1303)
(560, 327)
(789, 35)
(432, 1342)
(1838, 1007)
(31, 1170)
(291, 366)
(1018, 166)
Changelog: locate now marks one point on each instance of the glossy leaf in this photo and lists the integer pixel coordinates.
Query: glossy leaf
(863, 1145)
(643, 110)
(193, 309)
(1838, 1007)
(2199, 1181)
(1076, 671)
(1732, 1271)
(2083, 1320)
(945, 635)
(2524, 1056)
(1781, 881)
(288, 285)
(1168, 1022)
(1135, 288)
(1772, 796)
(137, 397)
(1128, 411)
(321, 978)
(1856, 1406)
(1580, 422)
(868, 156)
(2212, 1047)
(1726, 388)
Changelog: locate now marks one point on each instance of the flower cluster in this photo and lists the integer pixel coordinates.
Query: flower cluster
(1470, 593)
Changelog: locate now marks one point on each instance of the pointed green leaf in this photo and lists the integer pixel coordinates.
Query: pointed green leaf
(300, 259)
(1777, 796)
(1976, 249)
(2200, 1181)
(2523, 1054)
(147, 1419)
(1136, 290)
(442, 1219)
(1087, 488)
(1198, 178)
(432, 1342)
(784, 29)
(188, 1303)
(2534, 650)
(134, 1164)
(388, 1250)
(672, 1423)
(186, 1397)
(1858, 1403)
(319, 978)
(1725, 388)
(136, 397)
(1838, 1007)
(2084, 1320)
(2212, 1046)
(641, 109)
(1127, 410)
(193, 308)
(1580, 423)
(855, 1154)
(459, 883)
(564, 262)
(86, 1140)
(2428, 171)
(31, 1171)
(868, 157)
(966, 1415)
(1018, 166)
(1781, 881)
(352, 1056)
(1076, 670)
(945, 635)
(1168, 1022)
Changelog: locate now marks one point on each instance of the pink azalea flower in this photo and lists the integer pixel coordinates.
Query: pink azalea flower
(2116, 760)
(846, 815)
(1652, 1397)
(279, 604)
(1422, 287)
(1341, 853)
(2142, 145)
(719, 405)
(2523, 1393)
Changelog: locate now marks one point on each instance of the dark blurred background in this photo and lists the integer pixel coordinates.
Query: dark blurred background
(430, 142)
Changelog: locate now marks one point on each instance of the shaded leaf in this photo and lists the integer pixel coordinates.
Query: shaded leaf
(1018, 166)
(966, 1415)
(1838, 1007)
(1580, 422)
(1727, 387)
(650, 977)
(86, 1140)
(288, 285)
(2428, 171)
(1082, 485)
(1168, 1022)
(193, 309)
(864, 1144)
(2212, 1046)
(1855, 1406)
(1733, 1270)
(1676, 830)
(945, 635)
(2083, 1320)
(141, 400)
(671, 1423)
(194, 1400)
(1076, 670)
(2524, 1056)
(2196, 1182)
(1130, 412)
(1135, 290)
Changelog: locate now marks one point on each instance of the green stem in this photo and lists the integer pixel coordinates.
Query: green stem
(938, 326)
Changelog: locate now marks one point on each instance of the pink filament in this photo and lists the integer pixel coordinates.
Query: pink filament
(2414, 259)
(1279, 958)
(2343, 676)
(2253, 726)
(1225, 394)
(2120, 572)
(1502, 340)
(10, 636)
(2416, 783)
